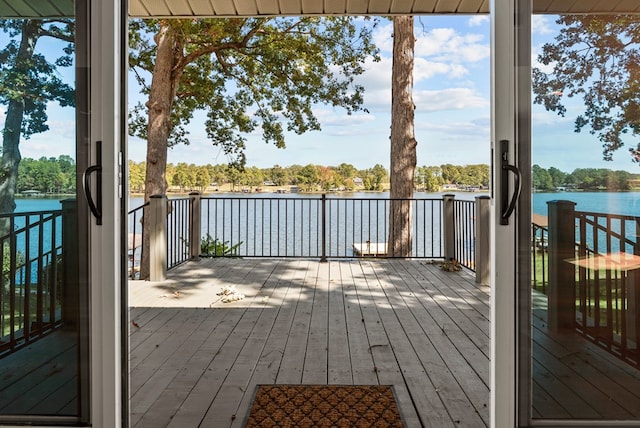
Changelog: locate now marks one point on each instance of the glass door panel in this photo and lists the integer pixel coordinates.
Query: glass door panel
(584, 252)
(44, 362)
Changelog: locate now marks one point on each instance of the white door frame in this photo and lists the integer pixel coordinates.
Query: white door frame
(107, 122)
(510, 121)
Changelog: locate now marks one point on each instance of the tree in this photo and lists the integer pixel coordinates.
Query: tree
(28, 82)
(541, 178)
(308, 178)
(557, 177)
(246, 74)
(136, 176)
(403, 141)
(596, 58)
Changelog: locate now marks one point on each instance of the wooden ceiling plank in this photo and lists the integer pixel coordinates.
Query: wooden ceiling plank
(541, 6)
(246, 7)
(6, 11)
(290, 7)
(268, 7)
(334, 7)
(137, 9)
(379, 7)
(224, 7)
(23, 9)
(558, 6)
(629, 6)
(179, 7)
(471, 6)
(312, 7)
(447, 6)
(424, 6)
(201, 7)
(357, 7)
(157, 8)
(400, 6)
(64, 8)
(584, 6)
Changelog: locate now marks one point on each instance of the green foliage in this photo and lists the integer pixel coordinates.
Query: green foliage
(23, 72)
(428, 178)
(582, 178)
(47, 175)
(253, 74)
(374, 177)
(308, 179)
(213, 247)
(6, 263)
(596, 58)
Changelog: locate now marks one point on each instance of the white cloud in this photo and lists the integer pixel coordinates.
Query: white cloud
(424, 69)
(477, 20)
(540, 24)
(449, 99)
(447, 45)
(383, 37)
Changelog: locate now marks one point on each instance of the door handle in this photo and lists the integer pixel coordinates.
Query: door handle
(508, 202)
(95, 207)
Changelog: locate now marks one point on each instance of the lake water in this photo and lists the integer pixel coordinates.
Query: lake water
(627, 203)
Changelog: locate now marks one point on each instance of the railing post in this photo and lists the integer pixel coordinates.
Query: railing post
(70, 278)
(195, 224)
(562, 275)
(448, 227)
(482, 240)
(158, 238)
(323, 258)
(633, 299)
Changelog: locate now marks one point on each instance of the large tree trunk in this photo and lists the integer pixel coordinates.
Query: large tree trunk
(162, 93)
(403, 142)
(12, 129)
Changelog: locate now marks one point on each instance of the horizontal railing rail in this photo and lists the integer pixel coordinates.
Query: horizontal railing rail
(32, 277)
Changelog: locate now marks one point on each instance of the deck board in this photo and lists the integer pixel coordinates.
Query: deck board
(363, 321)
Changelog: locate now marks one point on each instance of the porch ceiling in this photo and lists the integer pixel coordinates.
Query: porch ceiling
(148, 8)
(229, 8)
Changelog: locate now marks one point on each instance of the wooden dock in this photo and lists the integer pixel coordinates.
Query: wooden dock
(370, 249)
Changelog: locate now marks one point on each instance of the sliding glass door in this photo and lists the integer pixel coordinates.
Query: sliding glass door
(582, 258)
(44, 222)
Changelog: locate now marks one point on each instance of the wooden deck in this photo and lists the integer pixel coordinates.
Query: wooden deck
(195, 361)
(41, 378)
(576, 379)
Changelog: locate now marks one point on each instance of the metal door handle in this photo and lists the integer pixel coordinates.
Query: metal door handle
(508, 205)
(95, 207)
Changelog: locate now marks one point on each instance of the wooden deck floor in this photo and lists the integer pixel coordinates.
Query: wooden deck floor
(574, 378)
(195, 361)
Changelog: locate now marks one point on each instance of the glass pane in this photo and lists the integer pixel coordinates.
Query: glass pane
(43, 340)
(585, 248)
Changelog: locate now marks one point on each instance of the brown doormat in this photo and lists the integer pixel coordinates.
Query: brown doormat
(324, 406)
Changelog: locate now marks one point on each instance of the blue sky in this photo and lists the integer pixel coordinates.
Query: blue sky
(452, 97)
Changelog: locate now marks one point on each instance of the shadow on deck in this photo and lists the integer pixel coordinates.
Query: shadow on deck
(195, 361)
